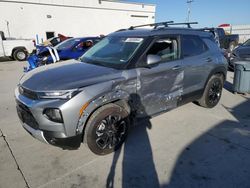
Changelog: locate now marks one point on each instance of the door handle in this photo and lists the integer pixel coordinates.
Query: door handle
(177, 67)
(208, 59)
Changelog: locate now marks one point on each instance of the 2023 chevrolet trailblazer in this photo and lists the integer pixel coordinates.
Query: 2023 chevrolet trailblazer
(131, 72)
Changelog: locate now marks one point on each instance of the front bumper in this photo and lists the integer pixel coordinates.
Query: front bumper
(64, 134)
(35, 133)
(50, 138)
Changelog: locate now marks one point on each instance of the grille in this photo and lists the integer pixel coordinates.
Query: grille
(25, 115)
(28, 93)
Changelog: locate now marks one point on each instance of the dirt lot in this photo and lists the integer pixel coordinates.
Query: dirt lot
(187, 147)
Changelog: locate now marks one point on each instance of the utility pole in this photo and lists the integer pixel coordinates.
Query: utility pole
(189, 9)
(8, 29)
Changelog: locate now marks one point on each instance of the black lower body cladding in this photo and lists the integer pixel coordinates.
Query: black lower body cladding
(69, 143)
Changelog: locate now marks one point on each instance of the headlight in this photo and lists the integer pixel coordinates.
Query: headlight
(58, 94)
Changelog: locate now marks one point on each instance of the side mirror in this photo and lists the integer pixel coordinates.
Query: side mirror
(153, 59)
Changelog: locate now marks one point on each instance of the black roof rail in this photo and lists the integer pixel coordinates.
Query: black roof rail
(184, 23)
(155, 25)
(121, 30)
(207, 28)
(164, 24)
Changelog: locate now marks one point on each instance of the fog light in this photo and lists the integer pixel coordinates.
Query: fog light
(53, 114)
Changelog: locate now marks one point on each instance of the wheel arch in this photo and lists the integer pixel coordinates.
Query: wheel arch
(17, 48)
(120, 98)
(218, 70)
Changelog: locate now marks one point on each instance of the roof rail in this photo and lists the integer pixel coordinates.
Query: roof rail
(155, 25)
(206, 28)
(188, 24)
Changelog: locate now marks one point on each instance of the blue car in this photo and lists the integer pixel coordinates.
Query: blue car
(51, 42)
(71, 48)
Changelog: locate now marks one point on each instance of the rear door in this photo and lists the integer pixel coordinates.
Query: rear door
(159, 87)
(197, 62)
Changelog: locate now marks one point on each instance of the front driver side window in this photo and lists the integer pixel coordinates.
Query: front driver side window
(166, 48)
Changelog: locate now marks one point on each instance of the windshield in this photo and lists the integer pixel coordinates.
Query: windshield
(67, 44)
(247, 43)
(113, 51)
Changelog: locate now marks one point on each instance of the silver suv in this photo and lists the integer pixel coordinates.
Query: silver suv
(130, 73)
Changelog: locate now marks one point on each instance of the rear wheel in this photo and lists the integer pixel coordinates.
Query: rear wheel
(20, 54)
(213, 91)
(107, 129)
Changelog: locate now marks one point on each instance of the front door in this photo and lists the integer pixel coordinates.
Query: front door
(160, 86)
(78, 50)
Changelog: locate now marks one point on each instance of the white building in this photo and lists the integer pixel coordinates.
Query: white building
(44, 18)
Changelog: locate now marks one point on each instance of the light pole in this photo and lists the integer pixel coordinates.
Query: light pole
(189, 9)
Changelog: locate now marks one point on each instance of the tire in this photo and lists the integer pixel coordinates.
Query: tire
(20, 55)
(107, 129)
(212, 92)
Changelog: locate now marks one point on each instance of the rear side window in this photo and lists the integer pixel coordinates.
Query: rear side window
(192, 45)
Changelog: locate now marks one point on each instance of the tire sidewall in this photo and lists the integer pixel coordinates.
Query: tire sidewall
(15, 55)
(95, 120)
(209, 85)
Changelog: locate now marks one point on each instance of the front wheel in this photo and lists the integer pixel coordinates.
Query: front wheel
(212, 92)
(106, 129)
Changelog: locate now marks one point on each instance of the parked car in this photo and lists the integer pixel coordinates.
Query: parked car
(17, 49)
(241, 53)
(51, 42)
(130, 73)
(225, 41)
(71, 48)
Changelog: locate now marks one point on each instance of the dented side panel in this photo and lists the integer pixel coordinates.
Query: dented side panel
(119, 89)
(160, 87)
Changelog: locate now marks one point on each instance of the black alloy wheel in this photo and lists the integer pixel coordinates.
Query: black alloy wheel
(110, 132)
(212, 92)
(107, 129)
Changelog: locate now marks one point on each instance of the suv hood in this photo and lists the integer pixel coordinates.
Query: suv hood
(67, 75)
